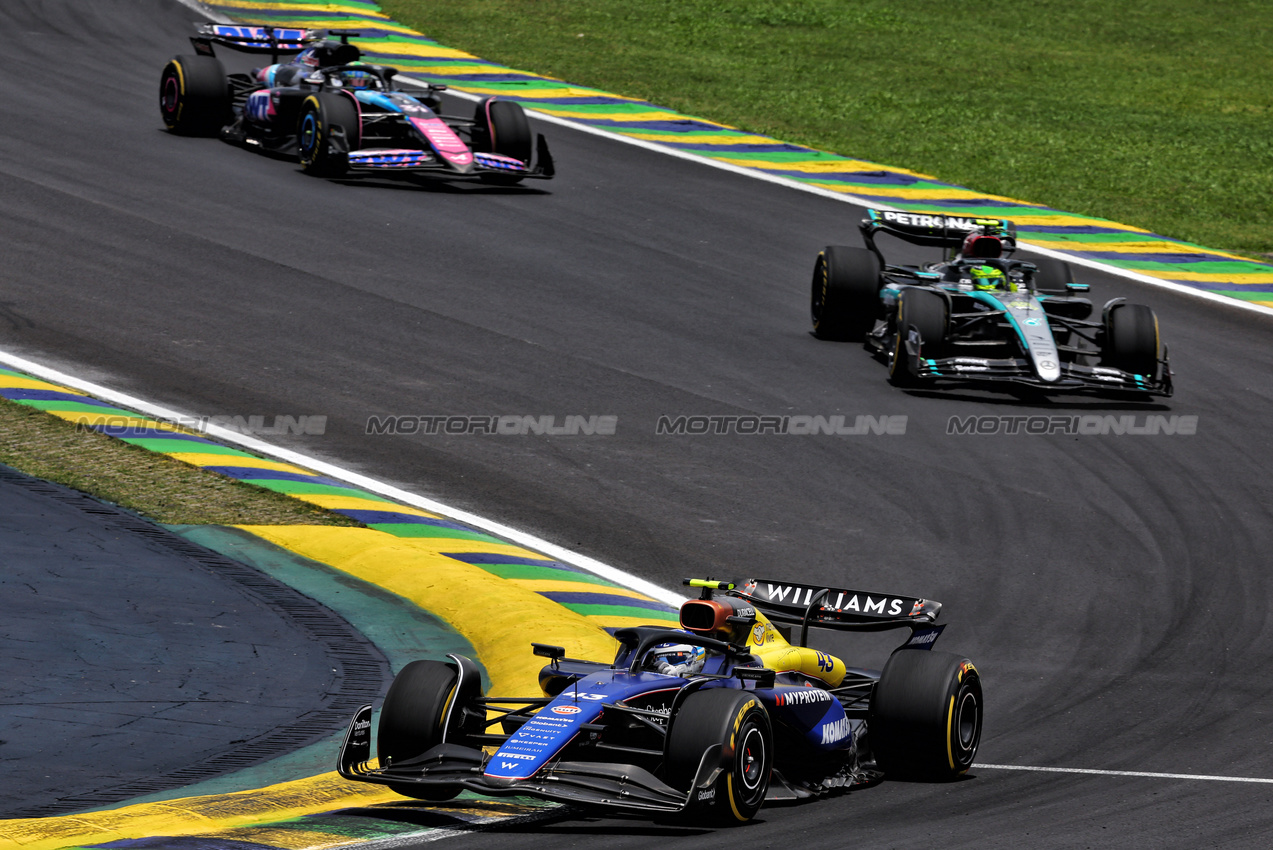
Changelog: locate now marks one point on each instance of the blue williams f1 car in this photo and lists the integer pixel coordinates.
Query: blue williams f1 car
(707, 721)
(339, 115)
(980, 317)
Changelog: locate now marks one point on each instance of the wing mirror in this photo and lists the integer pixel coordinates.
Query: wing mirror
(544, 650)
(762, 676)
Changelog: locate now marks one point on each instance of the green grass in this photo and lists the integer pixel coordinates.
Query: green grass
(1155, 113)
(153, 485)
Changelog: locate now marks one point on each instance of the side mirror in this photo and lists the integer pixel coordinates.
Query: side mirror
(543, 650)
(762, 676)
(1076, 288)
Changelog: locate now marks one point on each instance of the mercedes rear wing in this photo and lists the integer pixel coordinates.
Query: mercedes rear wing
(832, 608)
(934, 229)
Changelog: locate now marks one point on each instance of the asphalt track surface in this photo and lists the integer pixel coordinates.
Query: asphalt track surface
(1113, 591)
(136, 662)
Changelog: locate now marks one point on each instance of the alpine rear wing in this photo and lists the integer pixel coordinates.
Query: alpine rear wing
(277, 41)
(832, 608)
(935, 229)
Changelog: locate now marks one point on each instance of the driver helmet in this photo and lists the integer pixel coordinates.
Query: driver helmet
(676, 658)
(988, 277)
(355, 78)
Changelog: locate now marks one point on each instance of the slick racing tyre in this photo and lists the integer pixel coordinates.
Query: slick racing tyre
(194, 96)
(1131, 340)
(924, 312)
(329, 127)
(427, 705)
(1052, 276)
(845, 295)
(500, 126)
(737, 722)
(925, 716)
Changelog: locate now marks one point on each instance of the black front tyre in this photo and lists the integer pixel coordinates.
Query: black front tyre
(738, 722)
(845, 295)
(925, 716)
(1052, 276)
(501, 126)
(924, 313)
(424, 707)
(1132, 342)
(194, 96)
(329, 127)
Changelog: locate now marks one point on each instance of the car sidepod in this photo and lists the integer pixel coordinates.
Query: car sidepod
(812, 714)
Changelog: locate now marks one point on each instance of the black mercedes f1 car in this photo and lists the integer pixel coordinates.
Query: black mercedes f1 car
(340, 115)
(980, 317)
(708, 721)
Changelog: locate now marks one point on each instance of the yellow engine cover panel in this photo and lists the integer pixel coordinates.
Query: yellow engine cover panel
(773, 650)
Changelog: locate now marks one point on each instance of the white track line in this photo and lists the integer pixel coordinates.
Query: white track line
(208, 13)
(521, 538)
(332, 471)
(1124, 773)
(826, 193)
(552, 550)
(862, 202)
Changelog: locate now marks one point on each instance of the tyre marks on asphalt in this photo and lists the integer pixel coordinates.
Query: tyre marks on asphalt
(494, 594)
(1093, 240)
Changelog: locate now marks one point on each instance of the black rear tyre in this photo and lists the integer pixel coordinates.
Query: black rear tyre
(1132, 342)
(737, 721)
(424, 708)
(925, 716)
(925, 313)
(328, 128)
(845, 294)
(194, 96)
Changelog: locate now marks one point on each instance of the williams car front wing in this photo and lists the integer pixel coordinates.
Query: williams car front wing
(582, 783)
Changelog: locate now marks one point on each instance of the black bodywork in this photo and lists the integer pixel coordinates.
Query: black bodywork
(339, 114)
(932, 324)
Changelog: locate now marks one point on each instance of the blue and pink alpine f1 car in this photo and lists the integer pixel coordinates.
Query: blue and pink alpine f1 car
(707, 721)
(338, 114)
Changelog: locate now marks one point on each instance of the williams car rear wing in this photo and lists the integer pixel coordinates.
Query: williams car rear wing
(935, 229)
(832, 608)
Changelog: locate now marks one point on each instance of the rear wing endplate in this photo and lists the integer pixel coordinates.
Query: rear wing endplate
(833, 608)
